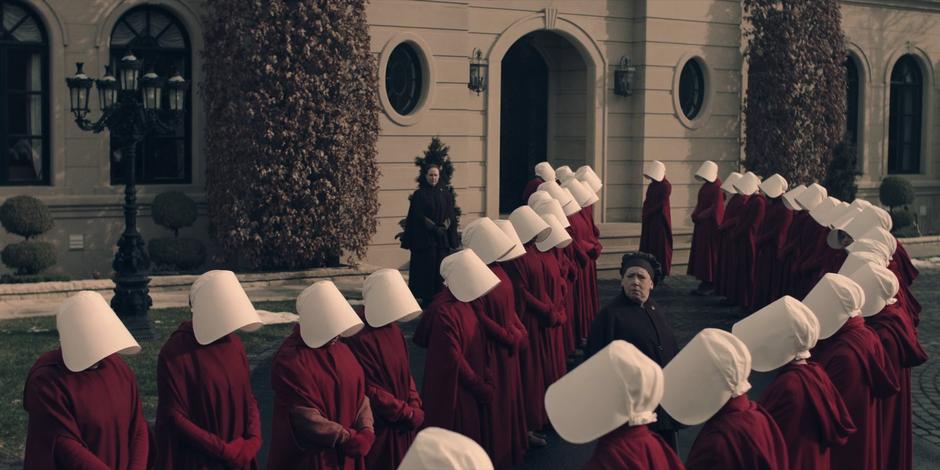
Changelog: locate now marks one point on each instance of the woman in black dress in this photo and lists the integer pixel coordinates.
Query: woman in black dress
(431, 232)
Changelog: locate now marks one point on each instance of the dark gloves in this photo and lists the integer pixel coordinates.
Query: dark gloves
(359, 442)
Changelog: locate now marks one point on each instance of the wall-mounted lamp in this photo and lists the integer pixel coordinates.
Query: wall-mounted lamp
(623, 77)
(477, 81)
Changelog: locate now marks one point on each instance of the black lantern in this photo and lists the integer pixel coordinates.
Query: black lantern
(107, 89)
(176, 91)
(623, 77)
(477, 81)
(129, 71)
(151, 85)
(130, 120)
(79, 89)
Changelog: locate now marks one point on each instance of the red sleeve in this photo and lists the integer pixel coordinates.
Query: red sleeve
(140, 442)
(654, 202)
(709, 452)
(384, 404)
(172, 406)
(71, 454)
(414, 399)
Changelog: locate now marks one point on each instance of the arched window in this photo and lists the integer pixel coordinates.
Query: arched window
(24, 97)
(158, 39)
(851, 103)
(904, 131)
(403, 79)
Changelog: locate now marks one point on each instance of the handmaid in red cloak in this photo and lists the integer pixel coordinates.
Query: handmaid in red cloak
(612, 397)
(588, 248)
(707, 216)
(82, 399)
(773, 229)
(459, 384)
(744, 240)
(804, 403)
(496, 243)
(537, 291)
(543, 172)
(656, 229)
(322, 416)
(381, 351)
(708, 382)
(855, 361)
(724, 277)
(207, 415)
(896, 331)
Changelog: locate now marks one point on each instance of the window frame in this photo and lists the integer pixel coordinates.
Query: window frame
(43, 48)
(699, 76)
(116, 173)
(896, 118)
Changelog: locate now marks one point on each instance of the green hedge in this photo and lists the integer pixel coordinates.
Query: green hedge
(29, 257)
(25, 216)
(173, 210)
(896, 191)
(180, 254)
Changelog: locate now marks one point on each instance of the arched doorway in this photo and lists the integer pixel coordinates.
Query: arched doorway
(543, 111)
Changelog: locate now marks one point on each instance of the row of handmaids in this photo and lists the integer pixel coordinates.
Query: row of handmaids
(518, 300)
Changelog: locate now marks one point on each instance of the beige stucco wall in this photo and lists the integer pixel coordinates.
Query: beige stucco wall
(588, 123)
(877, 35)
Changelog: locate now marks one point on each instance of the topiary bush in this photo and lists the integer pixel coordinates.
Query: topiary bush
(840, 176)
(25, 216)
(895, 192)
(28, 217)
(176, 254)
(173, 210)
(902, 218)
(291, 101)
(29, 257)
(795, 104)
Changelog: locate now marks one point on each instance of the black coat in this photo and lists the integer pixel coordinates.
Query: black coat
(431, 234)
(642, 326)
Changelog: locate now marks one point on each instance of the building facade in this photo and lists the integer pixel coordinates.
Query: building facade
(550, 68)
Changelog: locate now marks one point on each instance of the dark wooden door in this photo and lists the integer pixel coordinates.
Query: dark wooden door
(523, 121)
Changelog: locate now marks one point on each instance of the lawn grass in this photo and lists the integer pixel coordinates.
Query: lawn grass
(22, 341)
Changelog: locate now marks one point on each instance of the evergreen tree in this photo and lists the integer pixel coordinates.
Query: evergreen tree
(795, 107)
(292, 124)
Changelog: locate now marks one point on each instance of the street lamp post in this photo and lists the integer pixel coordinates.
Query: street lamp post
(130, 110)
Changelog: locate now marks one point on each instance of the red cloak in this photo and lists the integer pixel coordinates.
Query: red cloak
(504, 335)
(328, 379)
(90, 419)
(207, 416)
(908, 272)
(818, 258)
(531, 187)
(902, 347)
(633, 448)
(810, 413)
(741, 435)
(905, 271)
(591, 269)
(771, 236)
(789, 254)
(394, 399)
(856, 362)
(725, 281)
(568, 268)
(538, 304)
(584, 290)
(707, 216)
(656, 231)
(744, 240)
(458, 386)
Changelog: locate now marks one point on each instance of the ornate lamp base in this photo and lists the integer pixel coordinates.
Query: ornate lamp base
(131, 301)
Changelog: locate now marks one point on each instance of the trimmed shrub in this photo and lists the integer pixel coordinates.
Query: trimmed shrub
(173, 210)
(902, 218)
(795, 104)
(29, 256)
(25, 216)
(895, 192)
(840, 176)
(290, 92)
(181, 254)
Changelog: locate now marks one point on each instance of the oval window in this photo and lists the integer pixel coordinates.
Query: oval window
(691, 89)
(403, 79)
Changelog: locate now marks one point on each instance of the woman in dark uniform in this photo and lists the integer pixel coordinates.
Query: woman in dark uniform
(431, 231)
(633, 317)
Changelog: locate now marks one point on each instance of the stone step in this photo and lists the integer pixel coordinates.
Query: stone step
(608, 266)
(612, 232)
